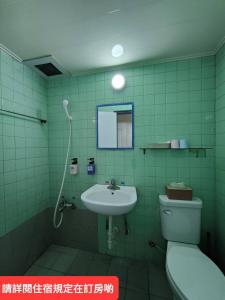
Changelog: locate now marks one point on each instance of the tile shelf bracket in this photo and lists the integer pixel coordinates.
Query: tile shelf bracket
(195, 150)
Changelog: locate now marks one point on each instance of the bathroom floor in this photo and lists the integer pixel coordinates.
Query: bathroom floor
(138, 279)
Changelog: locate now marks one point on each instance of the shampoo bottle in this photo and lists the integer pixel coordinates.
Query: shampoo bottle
(74, 167)
(91, 166)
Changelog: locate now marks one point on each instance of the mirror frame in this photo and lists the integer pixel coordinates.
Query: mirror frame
(132, 118)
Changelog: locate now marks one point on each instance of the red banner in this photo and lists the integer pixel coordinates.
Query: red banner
(59, 287)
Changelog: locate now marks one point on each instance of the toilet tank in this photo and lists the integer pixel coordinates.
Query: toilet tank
(180, 220)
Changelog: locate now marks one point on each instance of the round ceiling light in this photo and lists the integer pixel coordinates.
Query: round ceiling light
(118, 82)
(117, 50)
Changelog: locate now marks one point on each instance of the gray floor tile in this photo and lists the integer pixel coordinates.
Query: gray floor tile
(64, 250)
(40, 271)
(137, 278)
(33, 271)
(81, 263)
(79, 268)
(85, 254)
(136, 295)
(121, 261)
(47, 259)
(102, 257)
(63, 262)
(119, 270)
(99, 266)
(158, 283)
(54, 273)
(43, 272)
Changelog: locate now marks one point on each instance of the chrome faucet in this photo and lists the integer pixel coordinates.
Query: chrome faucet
(112, 185)
(65, 204)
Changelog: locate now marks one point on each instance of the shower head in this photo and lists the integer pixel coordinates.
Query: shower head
(65, 105)
(65, 102)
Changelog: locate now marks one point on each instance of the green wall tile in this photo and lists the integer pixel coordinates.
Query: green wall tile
(220, 148)
(23, 142)
(170, 100)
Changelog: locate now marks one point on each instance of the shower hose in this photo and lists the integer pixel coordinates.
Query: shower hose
(55, 223)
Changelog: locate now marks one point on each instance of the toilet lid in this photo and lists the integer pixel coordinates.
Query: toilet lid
(195, 276)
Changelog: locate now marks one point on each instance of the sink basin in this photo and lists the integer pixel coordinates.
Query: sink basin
(108, 202)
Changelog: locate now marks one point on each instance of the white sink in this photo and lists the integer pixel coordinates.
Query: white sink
(102, 200)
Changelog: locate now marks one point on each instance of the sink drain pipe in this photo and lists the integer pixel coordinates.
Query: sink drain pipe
(110, 233)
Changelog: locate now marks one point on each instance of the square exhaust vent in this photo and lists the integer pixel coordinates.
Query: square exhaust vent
(47, 66)
(48, 69)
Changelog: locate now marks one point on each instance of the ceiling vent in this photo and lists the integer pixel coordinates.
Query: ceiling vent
(47, 66)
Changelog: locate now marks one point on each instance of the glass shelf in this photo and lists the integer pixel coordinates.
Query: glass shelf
(195, 150)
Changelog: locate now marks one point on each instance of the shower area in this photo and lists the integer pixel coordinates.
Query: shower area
(24, 172)
(27, 199)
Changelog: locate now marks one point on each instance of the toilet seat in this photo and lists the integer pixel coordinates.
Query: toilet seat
(194, 276)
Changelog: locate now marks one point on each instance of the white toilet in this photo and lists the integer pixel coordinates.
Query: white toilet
(191, 274)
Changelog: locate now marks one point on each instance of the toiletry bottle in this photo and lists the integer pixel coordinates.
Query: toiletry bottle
(74, 167)
(91, 166)
(183, 143)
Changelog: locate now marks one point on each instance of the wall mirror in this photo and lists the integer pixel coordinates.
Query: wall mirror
(115, 126)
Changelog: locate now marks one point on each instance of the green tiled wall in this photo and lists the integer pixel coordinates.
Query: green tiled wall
(220, 150)
(23, 145)
(172, 100)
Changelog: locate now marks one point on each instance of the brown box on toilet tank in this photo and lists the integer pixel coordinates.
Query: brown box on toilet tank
(179, 194)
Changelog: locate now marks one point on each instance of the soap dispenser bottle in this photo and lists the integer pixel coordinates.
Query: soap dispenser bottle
(74, 166)
(91, 166)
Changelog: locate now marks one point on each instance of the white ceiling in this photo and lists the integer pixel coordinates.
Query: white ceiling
(81, 33)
